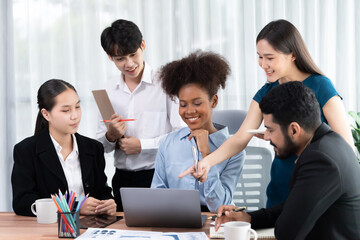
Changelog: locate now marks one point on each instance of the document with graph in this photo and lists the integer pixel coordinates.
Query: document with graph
(266, 233)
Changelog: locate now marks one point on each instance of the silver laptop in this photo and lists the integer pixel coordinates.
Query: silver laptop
(159, 207)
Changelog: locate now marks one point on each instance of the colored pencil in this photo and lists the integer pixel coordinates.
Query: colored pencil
(121, 120)
(62, 215)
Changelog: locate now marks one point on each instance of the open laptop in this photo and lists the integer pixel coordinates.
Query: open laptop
(159, 207)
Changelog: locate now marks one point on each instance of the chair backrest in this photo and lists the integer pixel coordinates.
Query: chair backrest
(255, 177)
(230, 118)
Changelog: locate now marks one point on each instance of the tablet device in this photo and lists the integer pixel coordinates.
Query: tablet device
(98, 221)
(254, 131)
(159, 207)
(103, 102)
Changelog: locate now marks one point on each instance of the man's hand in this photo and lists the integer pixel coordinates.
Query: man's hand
(116, 129)
(230, 216)
(107, 207)
(130, 145)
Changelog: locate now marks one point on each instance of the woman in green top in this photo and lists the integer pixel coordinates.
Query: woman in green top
(284, 57)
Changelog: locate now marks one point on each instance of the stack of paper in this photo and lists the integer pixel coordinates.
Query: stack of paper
(109, 234)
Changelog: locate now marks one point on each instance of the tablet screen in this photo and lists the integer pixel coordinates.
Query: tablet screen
(98, 221)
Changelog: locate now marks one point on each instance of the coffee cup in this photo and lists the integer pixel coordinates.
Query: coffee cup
(238, 231)
(45, 210)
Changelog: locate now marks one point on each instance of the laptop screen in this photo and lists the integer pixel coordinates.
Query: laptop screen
(158, 207)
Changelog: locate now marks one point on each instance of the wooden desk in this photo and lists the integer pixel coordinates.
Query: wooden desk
(26, 228)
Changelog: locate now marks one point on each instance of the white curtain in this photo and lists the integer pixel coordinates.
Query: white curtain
(7, 104)
(61, 39)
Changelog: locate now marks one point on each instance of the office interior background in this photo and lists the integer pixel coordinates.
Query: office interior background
(44, 39)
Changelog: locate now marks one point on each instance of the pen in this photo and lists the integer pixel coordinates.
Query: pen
(121, 120)
(239, 209)
(195, 159)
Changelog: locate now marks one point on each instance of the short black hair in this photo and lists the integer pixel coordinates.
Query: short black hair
(207, 69)
(121, 38)
(292, 102)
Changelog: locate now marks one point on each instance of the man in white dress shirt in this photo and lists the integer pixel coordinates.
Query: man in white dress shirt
(135, 94)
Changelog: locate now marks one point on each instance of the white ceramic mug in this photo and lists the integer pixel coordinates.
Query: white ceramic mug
(238, 231)
(46, 211)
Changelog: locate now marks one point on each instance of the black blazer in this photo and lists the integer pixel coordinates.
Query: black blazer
(324, 199)
(37, 171)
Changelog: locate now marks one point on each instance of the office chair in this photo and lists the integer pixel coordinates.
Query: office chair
(255, 177)
(230, 118)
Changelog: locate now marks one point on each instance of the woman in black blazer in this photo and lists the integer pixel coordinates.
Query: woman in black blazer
(57, 157)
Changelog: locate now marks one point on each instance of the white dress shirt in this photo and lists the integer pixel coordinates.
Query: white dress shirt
(155, 113)
(71, 166)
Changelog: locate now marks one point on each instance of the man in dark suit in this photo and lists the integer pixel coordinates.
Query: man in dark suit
(324, 200)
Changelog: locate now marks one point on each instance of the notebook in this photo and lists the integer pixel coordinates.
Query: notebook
(103, 102)
(159, 207)
(266, 233)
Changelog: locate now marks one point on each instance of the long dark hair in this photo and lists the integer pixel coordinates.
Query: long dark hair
(46, 99)
(285, 38)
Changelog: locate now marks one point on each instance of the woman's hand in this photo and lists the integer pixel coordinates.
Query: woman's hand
(201, 137)
(202, 141)
(107, 207)
(259, 135)
(89, 206)
(202, 171)
(93, 206)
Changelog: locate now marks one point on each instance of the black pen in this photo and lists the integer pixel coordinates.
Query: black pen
(239, 209)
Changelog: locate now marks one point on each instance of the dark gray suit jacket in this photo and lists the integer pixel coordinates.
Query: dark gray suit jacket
(37, 171)
(324, 199)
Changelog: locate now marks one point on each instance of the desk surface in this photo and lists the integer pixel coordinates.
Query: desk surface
(26, 228)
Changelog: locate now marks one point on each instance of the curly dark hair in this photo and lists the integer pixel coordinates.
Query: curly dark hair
(207, 69)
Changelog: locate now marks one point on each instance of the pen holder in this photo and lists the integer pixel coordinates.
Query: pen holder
(68, 224)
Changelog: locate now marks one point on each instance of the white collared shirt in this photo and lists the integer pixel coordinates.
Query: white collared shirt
(71, 166)
(155, 113)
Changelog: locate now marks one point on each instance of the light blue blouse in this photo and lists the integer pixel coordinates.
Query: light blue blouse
(175, 156)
